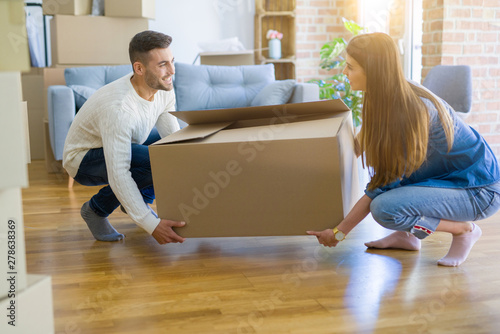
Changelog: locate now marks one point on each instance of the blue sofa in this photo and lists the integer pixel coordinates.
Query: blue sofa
(197, 87)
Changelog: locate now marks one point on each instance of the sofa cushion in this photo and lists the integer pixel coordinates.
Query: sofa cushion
(95, 76)
(200, 87)
(82, 93)
(278, 92)
(113, 73)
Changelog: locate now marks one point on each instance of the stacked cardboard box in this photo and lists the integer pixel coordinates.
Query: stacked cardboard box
(130, 8)
(67, 7)
(93, 40)
(25, 299)
(114, 8)
(78, 38)
(13, 42)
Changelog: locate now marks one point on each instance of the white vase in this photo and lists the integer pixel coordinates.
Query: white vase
(275, 48)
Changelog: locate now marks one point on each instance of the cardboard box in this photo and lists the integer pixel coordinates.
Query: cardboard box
(13, 39)
(35, 85)
(93, 40)
(130, 8)
(228, 58)
(34, 307)
(12, 139)
(67, 7)
(258, 171)
(11, 210)
(32, 83)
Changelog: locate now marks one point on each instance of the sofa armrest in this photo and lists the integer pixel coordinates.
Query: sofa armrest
(61, 112)
(305, 92)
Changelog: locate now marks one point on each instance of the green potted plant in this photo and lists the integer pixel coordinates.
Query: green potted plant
(337, 86)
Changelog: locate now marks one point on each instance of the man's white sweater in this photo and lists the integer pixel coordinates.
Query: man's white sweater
(113, 118)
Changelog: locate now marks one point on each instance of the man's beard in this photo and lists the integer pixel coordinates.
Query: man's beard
(154, 82)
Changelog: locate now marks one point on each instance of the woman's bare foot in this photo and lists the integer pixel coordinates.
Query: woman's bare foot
(461, 246)
(398, 239)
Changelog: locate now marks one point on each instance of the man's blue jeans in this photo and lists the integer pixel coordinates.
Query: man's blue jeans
(419, 210)
(92, 172)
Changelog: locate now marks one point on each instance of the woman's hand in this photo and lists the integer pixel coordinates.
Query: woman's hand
(360, 210)
(325, 237)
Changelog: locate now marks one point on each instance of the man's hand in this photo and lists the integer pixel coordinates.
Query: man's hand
(164, 234)
(325, 237)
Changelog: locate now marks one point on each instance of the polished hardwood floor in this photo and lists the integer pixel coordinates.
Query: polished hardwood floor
(250, 285)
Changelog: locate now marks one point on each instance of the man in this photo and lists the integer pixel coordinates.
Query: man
(105, 143)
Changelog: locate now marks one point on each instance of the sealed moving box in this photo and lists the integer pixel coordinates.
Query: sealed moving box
(93, 40)
(130, 8)
(67, 7)
(258, 171)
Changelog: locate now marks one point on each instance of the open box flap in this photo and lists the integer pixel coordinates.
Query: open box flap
(246, 113)
(196, 131)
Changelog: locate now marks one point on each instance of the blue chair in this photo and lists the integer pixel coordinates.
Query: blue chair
(452, 83)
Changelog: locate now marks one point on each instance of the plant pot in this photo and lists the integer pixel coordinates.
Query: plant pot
(275, 48)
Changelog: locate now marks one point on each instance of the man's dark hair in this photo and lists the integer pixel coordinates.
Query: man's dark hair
(144, 42)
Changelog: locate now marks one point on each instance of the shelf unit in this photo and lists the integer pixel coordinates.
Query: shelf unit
(276, 15)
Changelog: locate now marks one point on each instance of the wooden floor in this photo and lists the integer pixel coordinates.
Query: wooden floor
(250, 285)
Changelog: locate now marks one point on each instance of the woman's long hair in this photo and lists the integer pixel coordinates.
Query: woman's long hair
(395, 130)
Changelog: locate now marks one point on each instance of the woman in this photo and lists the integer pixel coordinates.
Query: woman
(430, 171)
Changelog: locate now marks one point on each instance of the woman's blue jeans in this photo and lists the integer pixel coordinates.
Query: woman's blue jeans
(419, 210)
(92, 172)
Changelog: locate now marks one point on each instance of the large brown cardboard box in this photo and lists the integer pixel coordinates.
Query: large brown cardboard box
(67, 7)
(236, 58)
(93, 40)
(130, 8)
(258, 171)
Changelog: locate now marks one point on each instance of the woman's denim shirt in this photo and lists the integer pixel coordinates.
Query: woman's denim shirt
(470, 162)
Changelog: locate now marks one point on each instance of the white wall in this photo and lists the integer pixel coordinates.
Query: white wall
(190, 22)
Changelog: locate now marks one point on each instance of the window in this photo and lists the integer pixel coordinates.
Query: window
(413, 40)
(401, 19)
